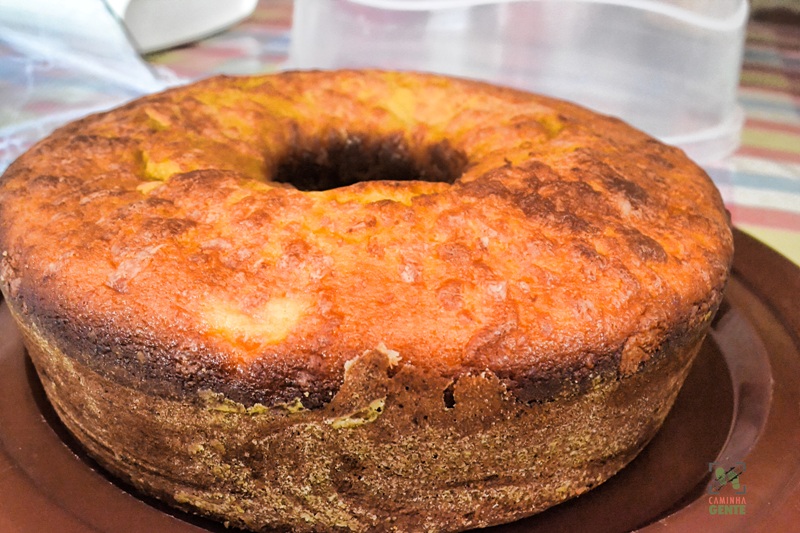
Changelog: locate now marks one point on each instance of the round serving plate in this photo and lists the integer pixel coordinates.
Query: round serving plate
(726, 458)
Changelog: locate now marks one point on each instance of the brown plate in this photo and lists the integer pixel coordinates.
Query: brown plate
(739, 411)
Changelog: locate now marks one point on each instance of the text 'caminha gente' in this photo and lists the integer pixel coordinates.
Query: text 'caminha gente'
(727, 505)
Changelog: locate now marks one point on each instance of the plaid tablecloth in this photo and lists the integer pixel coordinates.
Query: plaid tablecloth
(763, 192)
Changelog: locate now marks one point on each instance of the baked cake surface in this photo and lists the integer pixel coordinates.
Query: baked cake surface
(290, 255)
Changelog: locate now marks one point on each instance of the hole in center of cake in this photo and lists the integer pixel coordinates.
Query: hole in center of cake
(321, 165)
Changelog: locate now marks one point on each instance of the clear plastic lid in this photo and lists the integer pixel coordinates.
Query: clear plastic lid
(670, 68)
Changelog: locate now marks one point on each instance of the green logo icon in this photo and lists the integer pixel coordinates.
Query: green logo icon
(726, 490)
(729, 475)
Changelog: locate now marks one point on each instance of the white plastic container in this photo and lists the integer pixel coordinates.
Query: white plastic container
(155, 25)
(669, 67)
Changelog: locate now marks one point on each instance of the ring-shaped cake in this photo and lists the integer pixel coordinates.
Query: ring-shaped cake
(360, 299)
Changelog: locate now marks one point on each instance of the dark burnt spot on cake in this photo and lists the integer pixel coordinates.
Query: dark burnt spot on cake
(543, 209)
(654, 177)
(634, 193)
(50, 182)
(510, 182)
(333, 161)
(541, 384)
(533, 172)
(484, 188)
(646, 248)
(660, 161)
(591, 255)
(576, 197)
(659, 154)
(311, 380)
(590, 166)
(93, 142)
(158, 228)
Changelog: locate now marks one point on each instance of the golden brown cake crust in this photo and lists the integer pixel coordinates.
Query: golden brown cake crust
(551, 244)
(360, 300)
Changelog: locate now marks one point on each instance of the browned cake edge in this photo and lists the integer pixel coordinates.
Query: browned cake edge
(389, 452)
(139, 359)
